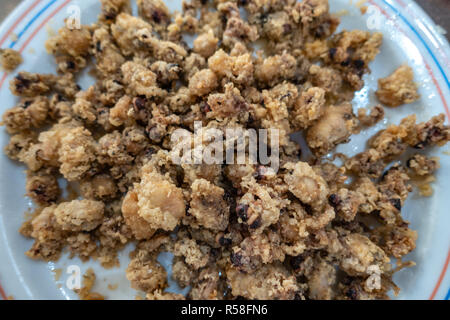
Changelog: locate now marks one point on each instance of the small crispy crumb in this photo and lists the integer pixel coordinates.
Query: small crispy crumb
(342, 13)
(57, 274)
(398, 88)
(425, 186)
(113, 286)
(86, 293)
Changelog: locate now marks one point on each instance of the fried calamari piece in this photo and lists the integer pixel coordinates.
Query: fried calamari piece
(308, 107)
(159, 201)
(71, 48)
(239, 68)
(271, 281)
(346, 203)
(333, 128)
(425, 134)
(140, 228)
(396, 241)
(119, 114)
(237, 30)
(203, 82)
(321, 281)
(376, 115)
(141, 80)
(259, 207)
(421, 165)
(27, 84)
(111, 8)
(79, 215)
(327, 78)
(227, 104)
(30, 85)
(19, 144)
(145, 273)
(77, 153)
(206, 44)
(306, 184)
(100, 187)
(131, 34)
(10, 59)
(195, 255)
(43, 187)
(30, 113)
(108, 56)
(49, 238)
(351, 52)
(208, 205)
(208, 285)
(257, 250)
(154, 11)
(398, 88)
(275, 69)
(162, 295)
(183, 273)
(361, 255)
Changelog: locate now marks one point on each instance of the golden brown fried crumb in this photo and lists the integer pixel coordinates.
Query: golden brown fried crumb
(398, 88)
(421, 165)
(85, 293)
(10, 59)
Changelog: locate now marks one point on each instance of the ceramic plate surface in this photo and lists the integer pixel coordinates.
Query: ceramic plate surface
(410, 37)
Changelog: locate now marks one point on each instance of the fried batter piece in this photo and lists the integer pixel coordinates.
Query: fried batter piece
(272, 281)
(48, 234)
(306, 184)
(10, 59)
(159, 202)
(421, 165)
(376, 115)
(309, 107)
(79, 215)
(29, 114)
(394, 141)
(145, 273)
(334, 127)
(257, 250)
(208, 205)
(398, 88)
(43, 187)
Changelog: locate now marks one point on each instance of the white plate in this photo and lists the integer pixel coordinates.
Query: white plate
(409, 36)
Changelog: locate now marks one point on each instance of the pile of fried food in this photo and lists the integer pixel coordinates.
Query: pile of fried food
(313, 230)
